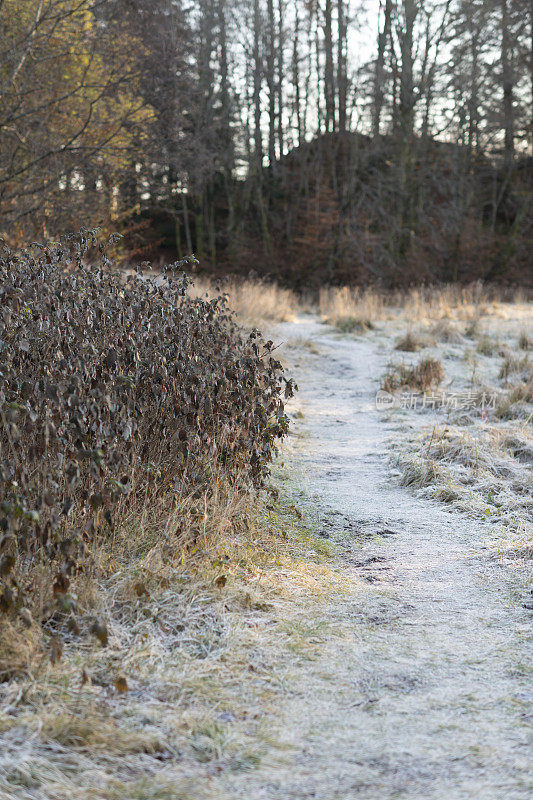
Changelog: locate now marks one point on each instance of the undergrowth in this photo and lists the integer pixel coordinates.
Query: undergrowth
(197, 645)
(131, 415)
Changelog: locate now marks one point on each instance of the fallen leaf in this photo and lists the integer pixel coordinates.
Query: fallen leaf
(73, 627)
(61, 584)
(99, 629)
(56, 650)
(140, 589)
(6, 565)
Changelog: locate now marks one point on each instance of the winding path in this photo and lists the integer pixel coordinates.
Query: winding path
(424, 691)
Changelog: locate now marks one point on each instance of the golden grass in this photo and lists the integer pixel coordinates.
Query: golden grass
(21, 648)
(351, 309)
(254, 301)
(421, 304)
(87, 729)
(200, 657)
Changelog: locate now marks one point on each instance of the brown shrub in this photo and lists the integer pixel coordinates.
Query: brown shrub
(423, 376)
(115, 392)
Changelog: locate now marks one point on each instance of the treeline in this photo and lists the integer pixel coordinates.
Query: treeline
(313, 140)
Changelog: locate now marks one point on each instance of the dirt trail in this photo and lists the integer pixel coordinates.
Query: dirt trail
(398, 666)
(422, 684)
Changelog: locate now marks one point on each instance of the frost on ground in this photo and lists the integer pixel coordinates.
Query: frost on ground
(469, 443)
(378, 648)
(440, 641)
(180, 698)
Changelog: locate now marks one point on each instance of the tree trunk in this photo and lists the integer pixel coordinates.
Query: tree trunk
(531, 72)
(407, 88)
(507, 85)
(329, 79)
(379, 77)
(473, 100)
(280, 80)
(342, 78)
(271, 83)
(186, 225)
(228, 151)
(296, 77)
(257, 74)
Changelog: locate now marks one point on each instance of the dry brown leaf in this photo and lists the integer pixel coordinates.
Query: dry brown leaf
(99, 629)
(56, 650)
(7, 563)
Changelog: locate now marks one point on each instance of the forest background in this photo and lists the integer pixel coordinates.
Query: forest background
(313, 141)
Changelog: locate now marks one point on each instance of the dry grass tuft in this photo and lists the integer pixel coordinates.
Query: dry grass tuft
(472, 329)
(353, 324)
(410, 343)
(90, 730)
(516, 402)
(446, 331)
(522, 393)
(483, 472)
(416, 472)
(525, 342)
(425, 375)
(488, 346)
(152, 789)
(519, 366)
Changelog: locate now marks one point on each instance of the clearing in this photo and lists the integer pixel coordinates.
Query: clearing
(385, 655)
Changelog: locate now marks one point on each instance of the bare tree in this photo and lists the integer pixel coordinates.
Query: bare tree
(379, 76)
(256, 134)
(329, 77)
(507, 83)
(59, 69)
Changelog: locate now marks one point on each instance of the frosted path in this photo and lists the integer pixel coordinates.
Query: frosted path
(424, 691)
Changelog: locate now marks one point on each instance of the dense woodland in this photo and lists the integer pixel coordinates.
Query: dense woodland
(316, 141)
